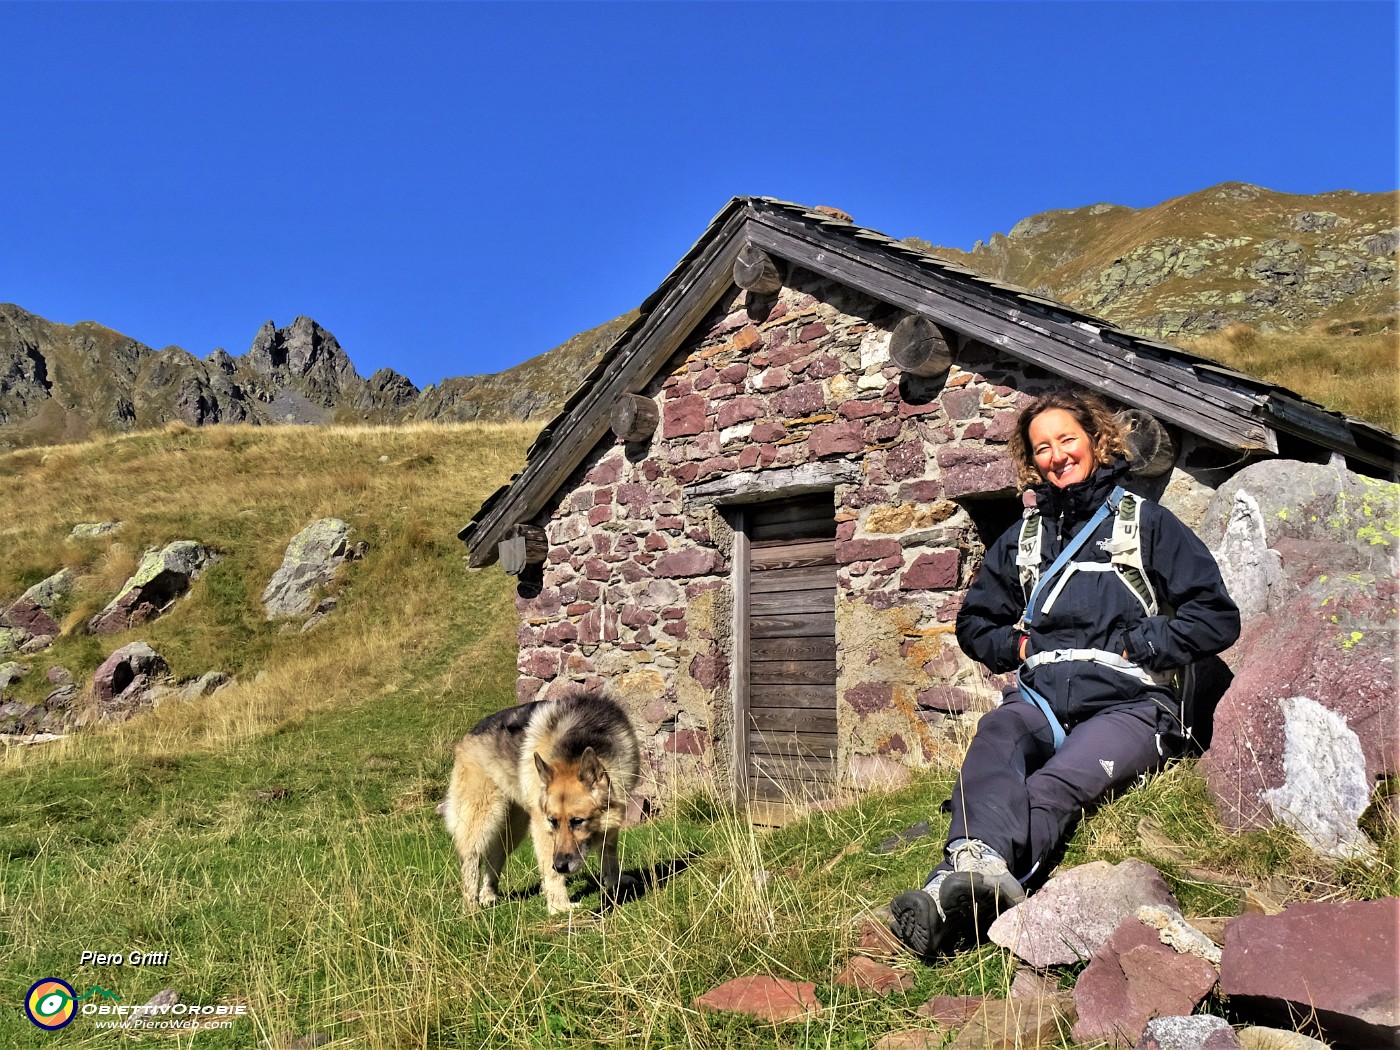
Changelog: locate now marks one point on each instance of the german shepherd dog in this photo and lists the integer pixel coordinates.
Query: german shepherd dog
(562, 768)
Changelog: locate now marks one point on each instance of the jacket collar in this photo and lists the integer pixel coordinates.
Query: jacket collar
(1078, 502)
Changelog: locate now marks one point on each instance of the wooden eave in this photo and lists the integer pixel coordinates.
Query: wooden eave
(1181, 388)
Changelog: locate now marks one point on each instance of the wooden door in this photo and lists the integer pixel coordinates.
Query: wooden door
(788, 693)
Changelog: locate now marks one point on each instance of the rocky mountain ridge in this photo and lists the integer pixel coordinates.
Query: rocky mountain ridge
(1194, 264)
(1234, 253)
(61, 383)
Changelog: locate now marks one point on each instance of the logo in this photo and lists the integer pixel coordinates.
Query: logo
(1107, 764)
(50, 1003)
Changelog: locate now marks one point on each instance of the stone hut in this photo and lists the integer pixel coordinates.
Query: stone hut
(756, 519)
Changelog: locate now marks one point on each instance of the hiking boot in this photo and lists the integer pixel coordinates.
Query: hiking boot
(975, 858)
(918, 919)
(978, 889)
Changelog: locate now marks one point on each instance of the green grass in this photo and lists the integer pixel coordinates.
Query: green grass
(280, 839)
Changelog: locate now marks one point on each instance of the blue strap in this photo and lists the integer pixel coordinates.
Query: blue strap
(1071, 549)
(1057, 731)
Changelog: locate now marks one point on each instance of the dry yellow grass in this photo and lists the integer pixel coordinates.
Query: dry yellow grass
(1358, 374)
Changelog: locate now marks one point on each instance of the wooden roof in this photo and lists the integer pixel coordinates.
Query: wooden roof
(1184, 389)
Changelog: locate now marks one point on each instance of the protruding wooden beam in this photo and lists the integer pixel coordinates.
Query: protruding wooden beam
(522, 545)
(921, 348)
(634, 417)
(1151, 444)
(755, 271)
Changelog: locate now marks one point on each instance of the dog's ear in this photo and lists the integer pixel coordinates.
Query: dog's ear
(546, 774)
(591, 771)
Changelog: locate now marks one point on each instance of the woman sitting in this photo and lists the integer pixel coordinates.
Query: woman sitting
(1097, 617)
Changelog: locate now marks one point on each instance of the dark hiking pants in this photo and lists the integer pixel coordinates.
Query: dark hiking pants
(1021, 797)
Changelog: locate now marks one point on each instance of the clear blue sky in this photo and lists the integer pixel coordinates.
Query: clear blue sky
(452, 188)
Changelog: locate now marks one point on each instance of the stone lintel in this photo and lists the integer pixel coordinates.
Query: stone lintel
(761, 486)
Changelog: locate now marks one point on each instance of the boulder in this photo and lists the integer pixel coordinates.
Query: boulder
(1333, 962)
(1077, 910)
(207, 683)
(1133, 978)
(1201, 1032)
(162, 576)
(911, 1039)
(35, 608)
(11, 672)
(767, 998)
(1314, 670)
(309, 564)
(121, 684)
(11, 639)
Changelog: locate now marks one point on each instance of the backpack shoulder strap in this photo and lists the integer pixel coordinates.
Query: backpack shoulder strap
(1125, 548)
(1028, 550)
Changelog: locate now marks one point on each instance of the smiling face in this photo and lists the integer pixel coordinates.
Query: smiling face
(1062, 450)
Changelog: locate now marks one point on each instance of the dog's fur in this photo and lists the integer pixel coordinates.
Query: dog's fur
(564, 769)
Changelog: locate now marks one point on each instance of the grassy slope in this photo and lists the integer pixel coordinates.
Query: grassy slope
(280, 841)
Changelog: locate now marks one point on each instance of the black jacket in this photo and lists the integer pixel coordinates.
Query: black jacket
(1097, 610)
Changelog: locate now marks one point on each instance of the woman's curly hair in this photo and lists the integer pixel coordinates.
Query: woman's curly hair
(1108, 434)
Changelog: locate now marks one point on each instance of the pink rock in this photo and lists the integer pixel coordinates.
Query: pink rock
(1133, 978)
(1016, 1024)
(971, 471)
(1032, 984)
(694, 562)
(1336, 961)
(801, 399)
(684, 416)
(767, 998)
(1076, 912)
(933, 571)
(952, 1010)
(911, 1039)
(870, 976)
(833, 438)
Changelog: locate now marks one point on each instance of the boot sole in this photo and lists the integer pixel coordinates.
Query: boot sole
(974, 897)
(914, 919)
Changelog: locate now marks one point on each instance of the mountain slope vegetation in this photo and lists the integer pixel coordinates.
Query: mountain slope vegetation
(278, 839)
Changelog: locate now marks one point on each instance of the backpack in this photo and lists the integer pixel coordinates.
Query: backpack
(1185, 725)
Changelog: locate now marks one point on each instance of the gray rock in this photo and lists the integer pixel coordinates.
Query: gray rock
(162, 576)
(310, 564)
(1324, 789)
(35, 609)
(1250, 569)
(11, 672)
(11, 638)
(37, 643)
(1077, 910)
(207, 683)
(1316, 503)
(1199, 1032)
(91, 530)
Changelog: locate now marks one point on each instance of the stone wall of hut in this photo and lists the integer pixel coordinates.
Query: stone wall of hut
(636, 591)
